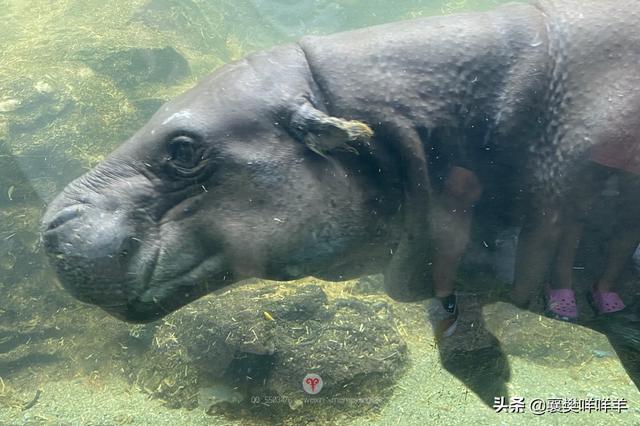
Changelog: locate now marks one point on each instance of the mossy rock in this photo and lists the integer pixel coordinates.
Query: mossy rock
(262, 339)
(132, 67)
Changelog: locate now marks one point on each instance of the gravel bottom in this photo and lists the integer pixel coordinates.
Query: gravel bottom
(536, 358)
(114, 402)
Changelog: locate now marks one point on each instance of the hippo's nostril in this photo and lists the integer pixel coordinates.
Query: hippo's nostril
(64, 216)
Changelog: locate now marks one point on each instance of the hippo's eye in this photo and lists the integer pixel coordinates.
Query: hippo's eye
(185, 153)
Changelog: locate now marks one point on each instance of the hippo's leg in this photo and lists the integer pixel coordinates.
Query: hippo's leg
(450, 226)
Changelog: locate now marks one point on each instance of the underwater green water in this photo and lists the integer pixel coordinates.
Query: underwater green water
(79, 77)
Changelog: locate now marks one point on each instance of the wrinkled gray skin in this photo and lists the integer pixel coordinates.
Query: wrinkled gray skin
(219, 185)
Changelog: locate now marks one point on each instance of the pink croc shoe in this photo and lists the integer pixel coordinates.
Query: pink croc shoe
(605, 302)
(561, 304)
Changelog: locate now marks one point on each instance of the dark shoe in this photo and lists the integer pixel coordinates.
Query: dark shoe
(443, 315)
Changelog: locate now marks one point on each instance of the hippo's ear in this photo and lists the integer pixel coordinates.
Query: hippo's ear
(322, 133)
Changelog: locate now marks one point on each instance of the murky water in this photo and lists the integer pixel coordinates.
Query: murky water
(77, 78)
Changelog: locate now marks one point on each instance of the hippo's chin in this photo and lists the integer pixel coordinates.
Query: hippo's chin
(161, 298)
(150, 308)
(139, 312)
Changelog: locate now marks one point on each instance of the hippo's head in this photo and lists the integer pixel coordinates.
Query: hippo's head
(218, 187)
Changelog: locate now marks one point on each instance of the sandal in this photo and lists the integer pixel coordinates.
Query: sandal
(605, 302)
(561, 304)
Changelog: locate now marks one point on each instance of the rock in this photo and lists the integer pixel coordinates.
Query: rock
(263, 339)
(33, 104)
(370, 284)
(218, 394)
(132, 67)
(9, 105)
(198, 25)
(43, 87)
(352, 351)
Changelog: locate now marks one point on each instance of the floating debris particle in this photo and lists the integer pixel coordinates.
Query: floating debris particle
(33, 401)
(267, 316)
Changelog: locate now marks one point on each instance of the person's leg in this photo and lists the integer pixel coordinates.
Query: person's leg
(622, 244)
(451, 225)
(562, 270)
(552, 233)
(560, 299)
(575, 211)
(620, 249)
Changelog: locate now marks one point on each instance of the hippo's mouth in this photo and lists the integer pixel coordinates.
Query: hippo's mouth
(162, 297)
(129, 277)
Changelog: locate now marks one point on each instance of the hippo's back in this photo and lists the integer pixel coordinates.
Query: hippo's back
(594, 81)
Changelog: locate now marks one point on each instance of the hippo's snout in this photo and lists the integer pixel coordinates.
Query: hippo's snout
(82, 232)
(92, 250)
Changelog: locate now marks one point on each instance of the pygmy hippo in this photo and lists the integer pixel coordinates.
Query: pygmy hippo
(321, 157)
